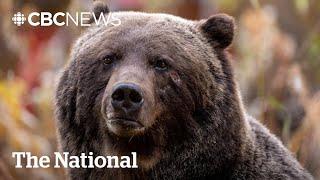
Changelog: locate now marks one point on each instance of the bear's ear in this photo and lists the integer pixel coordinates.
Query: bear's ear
(98, 8)
(219, 29)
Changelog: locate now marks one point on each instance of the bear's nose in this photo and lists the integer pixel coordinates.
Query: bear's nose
(127, 97)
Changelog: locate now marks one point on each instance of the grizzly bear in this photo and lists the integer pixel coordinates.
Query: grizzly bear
(162, 86)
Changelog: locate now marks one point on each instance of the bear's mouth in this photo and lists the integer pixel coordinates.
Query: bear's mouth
(130, 123)
(124, 126)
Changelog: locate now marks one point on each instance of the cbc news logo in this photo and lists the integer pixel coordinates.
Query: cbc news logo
(64, 19)
(18, 19)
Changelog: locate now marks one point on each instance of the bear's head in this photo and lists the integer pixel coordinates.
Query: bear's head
(157, 85)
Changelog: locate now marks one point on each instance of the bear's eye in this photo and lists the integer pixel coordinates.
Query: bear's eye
(160, 64)
(109, 59)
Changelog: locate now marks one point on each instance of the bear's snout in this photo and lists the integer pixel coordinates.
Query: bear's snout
(127, 98)
(125, 105)
(128, 105)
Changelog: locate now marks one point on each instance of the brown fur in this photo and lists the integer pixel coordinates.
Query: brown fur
(193, 122)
